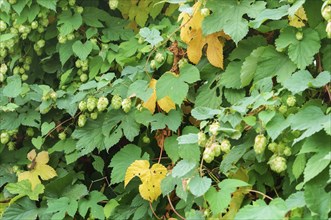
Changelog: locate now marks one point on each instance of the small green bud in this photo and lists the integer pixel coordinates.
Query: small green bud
(34, 25)
(62, 135)
(272, 147)
(146, 139)
(11, 146)
(153, 64)
(205, 12)
(102, 103)
(3, 26)
(113, 4)
(217, 148)
(282, 109)
(326, 12)
(4, 138)
(94, 115)
(277, 163)
(81, 120)
(91, 103)
(79, 9)
(83, 77)
(287, 151)
(202, 139)
(159, 57)
(30, 132)
(225, 146)
(82, 106)
(299, 35)
(213, 128)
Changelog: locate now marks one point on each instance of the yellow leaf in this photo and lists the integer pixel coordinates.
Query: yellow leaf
(191, 34)
(166, 104)
(38, 168)
(298, 19)
(150, 188)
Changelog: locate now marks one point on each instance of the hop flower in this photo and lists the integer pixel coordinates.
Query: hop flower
(4, 138)
(62, 135)
(113, 4)
(116, 102)
(277, 164)
(81, 120)
(102, 103)
(213, 128)
(94, 115)
(287, 151)
(91, 103)
(272, 147)
(290, 101)
(159, 57)
(216, 148)
(260, 144)
(225, 146)
(82, 106)
(202, 139)
(126, 105)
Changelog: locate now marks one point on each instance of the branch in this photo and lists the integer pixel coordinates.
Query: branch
(173, 208)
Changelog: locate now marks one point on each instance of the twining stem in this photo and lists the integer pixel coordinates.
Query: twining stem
(150, 205)
(261, 193)
(173, 208)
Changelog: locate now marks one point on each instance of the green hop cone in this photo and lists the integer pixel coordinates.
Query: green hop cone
(113, 4)
(326, 11)
(272, 147)
(102, 103)
(282, 109)
(11, 146)
(4, 138)
(94, 115)
(159, 57)
(277, 163)
(299, 35)
(216, 147)
(202, 139)
(287, 151)
(290, 101)
(81, 120)
(280, 148)
(205, 12)
(213, 128)
(207, 156)
(146, 139)
(30, 132)
(260, 144)
(116, 102)
(91, 103)
(126, 105)
(82, 106)
(225, 146)
(62, 135)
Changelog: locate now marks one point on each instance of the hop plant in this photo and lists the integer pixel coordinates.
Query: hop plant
(116, 102)
(11, 146)
(202, 139)
(299, 35)
(208, 155)
(260, 144)
(91, 103)
(62, 135)
(102, 103)
(216, 148)
(4, 138)
(94, 115)
(126, 105)
(287, 151)
(272, 147)
(159, 57)
(205, 12)
(277, 163)
(146, 139)
(81, 120)
(290, 101)
(225, 146)
(82, 106)
(113, 4)
(213, 128)
(30, 132)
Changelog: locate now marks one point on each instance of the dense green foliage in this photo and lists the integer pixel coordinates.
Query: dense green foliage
(230, 96)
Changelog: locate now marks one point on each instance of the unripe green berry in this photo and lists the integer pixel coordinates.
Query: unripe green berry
(260, 144)
(82, 106)
(146, 139)
(91, 103)
(81, 120)
(4, 138)
(126, 105)
(62, 135)
(290, 101)
(116, 102)
(214, 127)
(299, 35)
(225, 146)
(94, 115)
(277, 164)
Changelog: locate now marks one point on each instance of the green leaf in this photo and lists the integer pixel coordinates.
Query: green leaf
(316, 164)
(260, 210)
(272, 14)
(183, 167)
(172, 120)
(91, 204)
(220, 200)
(5, 37)
(295, 200)
(82, 50)
(117, 30)
(19, 6)
(326, 51)
(299, 165)
(229, 17)
(301, 52)
(93, 16)
(203, 113)
(209, 95)
(98, 163)
(46, 127)
(21, 209)
(276, 126)
(172, 86)
(168, 185)
(188, 139)
(232, 157)
(230, 77)
(13, 87)
(152, 36)
(123, 159)
(110, 208)
(62, 207)
(189, 73)
(199, 185)
(263, 62)
(65, 52)
(68, 22)
(23, 188)
(244, 49)
(171, 148)
(50, 4)
(37, 142)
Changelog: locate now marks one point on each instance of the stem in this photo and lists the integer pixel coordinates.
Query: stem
(173, 208)
(261, 193)
(150, 205)
(65, 121)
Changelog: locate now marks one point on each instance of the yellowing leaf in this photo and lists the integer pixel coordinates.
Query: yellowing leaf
(38, 168)
(298, 19)
(150, 188)
(166, 104)
(191, 34)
